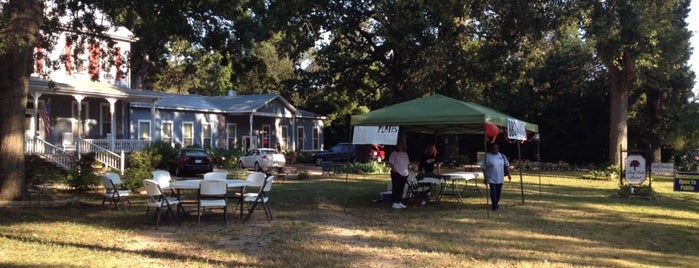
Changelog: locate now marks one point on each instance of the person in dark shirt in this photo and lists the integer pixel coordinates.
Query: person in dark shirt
(429, 161)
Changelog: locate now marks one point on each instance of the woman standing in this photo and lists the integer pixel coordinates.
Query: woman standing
(429, 161)
(399, 162)
(494, 167)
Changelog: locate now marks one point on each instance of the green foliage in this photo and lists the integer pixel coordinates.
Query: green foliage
(140, 166)
(165, 151)
(367, 168)
(39, 171)
(82, 174)
(643, 191)
(610, 172)
(302, 174)
(304, 157)
(226, 158)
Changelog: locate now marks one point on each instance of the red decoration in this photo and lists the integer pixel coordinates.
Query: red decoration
(491, 131)
(94, 61)
(69, 57)
(117, 63)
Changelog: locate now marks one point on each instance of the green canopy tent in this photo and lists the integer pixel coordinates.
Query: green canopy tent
(438, 114)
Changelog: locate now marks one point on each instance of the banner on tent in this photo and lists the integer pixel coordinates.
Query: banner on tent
(516, 130)
(375, 135)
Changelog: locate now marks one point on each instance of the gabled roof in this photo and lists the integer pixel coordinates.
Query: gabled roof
(238, 104)
(246, 103)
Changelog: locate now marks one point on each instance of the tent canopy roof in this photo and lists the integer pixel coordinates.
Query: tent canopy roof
(437, 114)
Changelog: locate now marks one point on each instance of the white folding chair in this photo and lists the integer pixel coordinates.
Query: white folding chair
(212, 193)
(162, 177)
(216, 175)
(262, 197)
(159, 201)
(256, 179)
(111, 182)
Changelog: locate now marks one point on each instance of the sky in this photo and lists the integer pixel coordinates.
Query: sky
(693, 25)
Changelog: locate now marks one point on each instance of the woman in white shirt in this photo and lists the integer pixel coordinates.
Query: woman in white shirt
(400, 163)
(494, 166)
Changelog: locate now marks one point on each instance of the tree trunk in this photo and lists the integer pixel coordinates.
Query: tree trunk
(18, 39)
(621, 79)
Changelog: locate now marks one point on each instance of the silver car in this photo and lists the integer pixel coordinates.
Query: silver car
(262, 159)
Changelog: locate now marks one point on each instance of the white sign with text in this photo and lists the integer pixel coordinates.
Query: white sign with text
(516, 130)
(387, 135)
(635, 169)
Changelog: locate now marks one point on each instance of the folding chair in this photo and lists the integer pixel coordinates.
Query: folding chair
(162, 177)
(159, 201)
(212, 193)
(418, 193)
(111, 182)
(262, 197)
(216, 175)
(256, 180)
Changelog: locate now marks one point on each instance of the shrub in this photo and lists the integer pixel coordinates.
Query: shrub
(82, 174)
(371, 168)
(39, 171)
(302, 174)
(643, 191)
(140, 166)
(610, 172)
(226, 158)
(304, 157)
(165, 150)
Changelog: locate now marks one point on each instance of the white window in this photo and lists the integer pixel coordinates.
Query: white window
(285, 137)
(105, 119)
(231, 132)
(144, 130)
(167, 132)
(300, 138)
(316, 138)
(187, 134)
(206, 135)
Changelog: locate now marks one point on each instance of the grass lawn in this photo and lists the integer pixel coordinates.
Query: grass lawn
(328, 222)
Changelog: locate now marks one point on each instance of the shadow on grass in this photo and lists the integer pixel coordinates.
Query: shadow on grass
(332, 220)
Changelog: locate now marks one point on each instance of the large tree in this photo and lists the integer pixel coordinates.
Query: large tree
(626, 33)
(19, 35)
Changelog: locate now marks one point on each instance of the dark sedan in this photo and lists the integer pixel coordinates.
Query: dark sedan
(191, 161)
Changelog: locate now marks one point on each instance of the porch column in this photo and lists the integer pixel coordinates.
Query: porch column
(35, 121)
(294, 134)
(112, 123)
(250, 143)
(79, 98)
(152, 125)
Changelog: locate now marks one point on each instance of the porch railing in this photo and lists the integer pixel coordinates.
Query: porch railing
(121, 144)
(100, 147)
(109, 158)
(49, 151)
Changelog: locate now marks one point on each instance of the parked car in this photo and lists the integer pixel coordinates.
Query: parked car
(262, 159)
(189, 161)
(377, 153)
(344, 152)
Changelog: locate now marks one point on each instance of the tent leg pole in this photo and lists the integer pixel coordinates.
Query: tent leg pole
(538, 159)
(521, 179)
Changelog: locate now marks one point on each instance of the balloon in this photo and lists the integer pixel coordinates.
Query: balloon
(491, 131)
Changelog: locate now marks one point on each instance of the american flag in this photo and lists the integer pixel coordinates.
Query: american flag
(46, 117)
